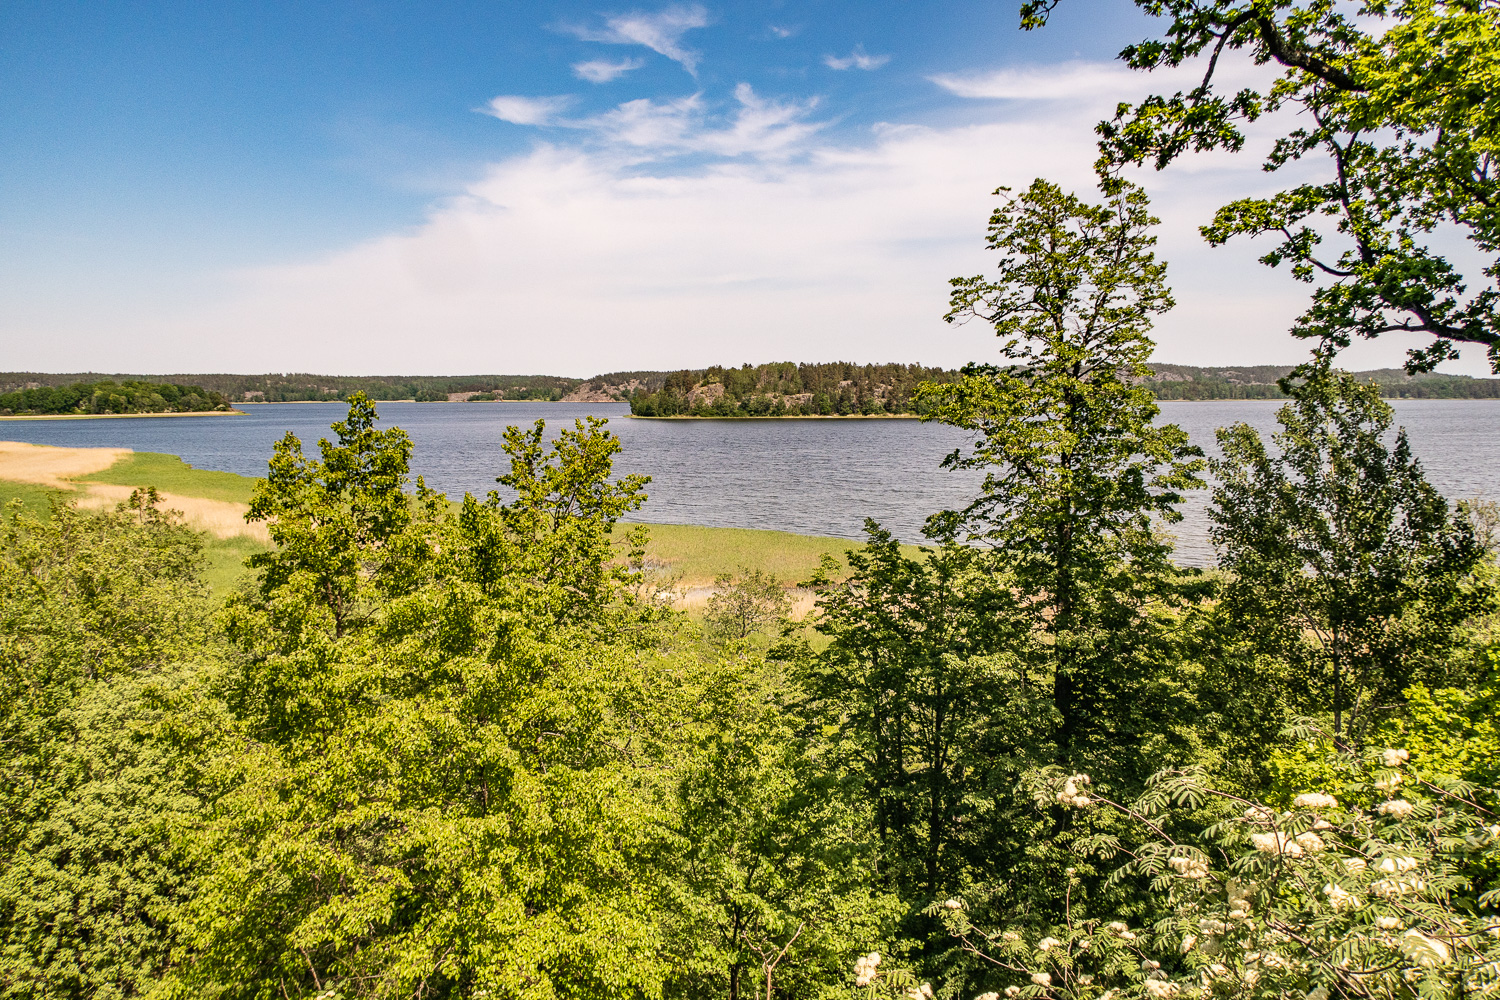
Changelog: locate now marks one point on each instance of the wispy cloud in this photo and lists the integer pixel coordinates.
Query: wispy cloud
(603, 71)
(1081, 80)
(858, 59)
(781, 30)
(527, 110)
(755, 127)
(660, 32)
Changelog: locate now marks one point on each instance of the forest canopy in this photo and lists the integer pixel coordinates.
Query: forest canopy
(111, 397)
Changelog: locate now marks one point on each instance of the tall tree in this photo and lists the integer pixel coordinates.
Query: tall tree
(1394, 99)
(1077, 476)
(1345, 559)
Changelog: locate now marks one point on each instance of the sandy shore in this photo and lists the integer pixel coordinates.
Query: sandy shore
(59, 468)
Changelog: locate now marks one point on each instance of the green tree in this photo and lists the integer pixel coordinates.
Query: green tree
(98, 611)
(1344, 559)
(456, 791)
(1393, 100)
(772, 892)
(333, 520)
(1077, 476)
(913, 684)
(754, 603)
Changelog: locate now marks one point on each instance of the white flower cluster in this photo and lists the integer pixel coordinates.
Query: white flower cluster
(1402, 884)
(1315, 800)
(1395, 808)
(1047, 944)
(953, 904)
(991, 995)
(1276, 842)
(1071, 794)
(1394, 758)
(1239, 900)
(923, 992)
(1340, 898)
(1423, 950)
(1188, 867)
(866, 968)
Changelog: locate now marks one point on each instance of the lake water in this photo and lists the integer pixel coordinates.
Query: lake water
(820, 477)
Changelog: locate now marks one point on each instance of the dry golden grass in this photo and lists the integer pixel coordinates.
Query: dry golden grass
(60, 468)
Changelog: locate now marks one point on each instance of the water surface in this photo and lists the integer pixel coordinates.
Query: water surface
(821, 477)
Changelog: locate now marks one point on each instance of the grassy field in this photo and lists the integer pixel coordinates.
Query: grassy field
(171, 474)
(698, 554)
(36, 500)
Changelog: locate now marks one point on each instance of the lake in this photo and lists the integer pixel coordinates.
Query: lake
(818, 477)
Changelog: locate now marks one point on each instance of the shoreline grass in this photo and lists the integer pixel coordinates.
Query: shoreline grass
(170, 474)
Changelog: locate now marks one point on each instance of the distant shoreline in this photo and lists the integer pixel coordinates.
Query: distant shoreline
(120, 416)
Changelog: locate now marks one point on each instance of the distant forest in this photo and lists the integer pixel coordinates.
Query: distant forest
(1259, 382)
(110, 397)
(749, 390)
(293, 387)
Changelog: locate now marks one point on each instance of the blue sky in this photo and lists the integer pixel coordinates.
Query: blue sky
(570, 188)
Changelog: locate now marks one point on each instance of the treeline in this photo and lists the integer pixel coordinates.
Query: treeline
(787, 389)
(1260, 382)
(300, 387)
(111, 397)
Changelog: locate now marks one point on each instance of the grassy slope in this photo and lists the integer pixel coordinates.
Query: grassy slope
(171, 474)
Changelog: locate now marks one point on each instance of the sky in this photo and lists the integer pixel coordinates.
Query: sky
(383, 187)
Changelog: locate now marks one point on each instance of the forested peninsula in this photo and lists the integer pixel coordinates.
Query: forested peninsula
(110, 398)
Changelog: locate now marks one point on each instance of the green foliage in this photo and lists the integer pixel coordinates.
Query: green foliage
(1393, 99)
(1325, 898)
(777, 864)
(96, 610)
(1345, 561)
(447, 777)
(1075, 469)
(109, 397)
(754, 603)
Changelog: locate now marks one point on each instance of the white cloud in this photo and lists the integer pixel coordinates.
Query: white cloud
(781, 30)
(660, 32)
(774, 242)
(858, 59)
(527, 110)
(603, 71)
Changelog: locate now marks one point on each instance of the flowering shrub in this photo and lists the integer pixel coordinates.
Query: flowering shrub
(1354, 894)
